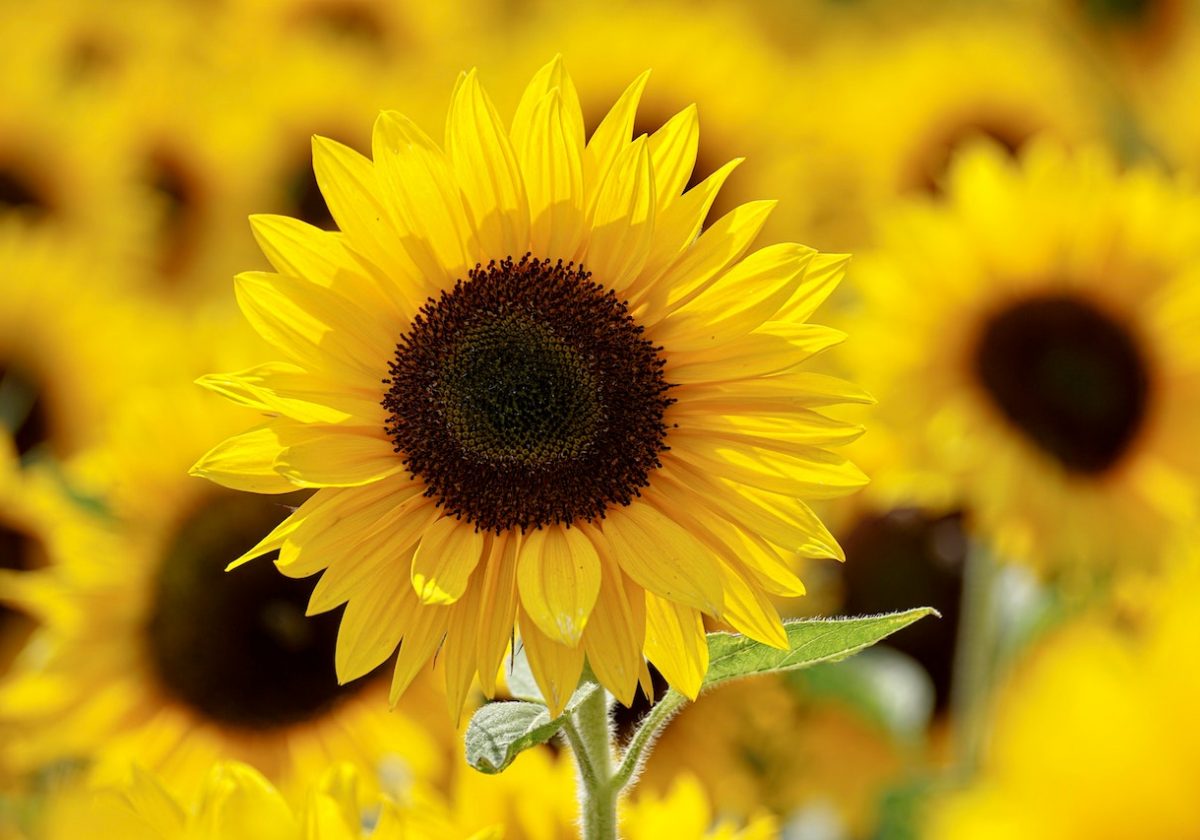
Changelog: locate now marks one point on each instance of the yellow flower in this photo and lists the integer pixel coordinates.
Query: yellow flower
(238, 803)
(1034, 345)
(684, 812)
(894, 105)
(531, 392)
(762, 746)
(66, 350)
(1096, 736)
(149, 653)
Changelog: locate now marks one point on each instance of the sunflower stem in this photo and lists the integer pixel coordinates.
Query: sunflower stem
(974, 657)
(639, 746)
(590, 734)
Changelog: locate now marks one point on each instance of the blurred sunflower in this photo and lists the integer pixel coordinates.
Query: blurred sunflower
(1052, 383)
(237, 803)
(60, 162)
(529, 392)
(894, 107)
(65, 348)
(762, 746)
(1096, 699)
(149, 653)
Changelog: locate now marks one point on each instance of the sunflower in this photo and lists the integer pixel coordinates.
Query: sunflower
(895, 105)
(736, 88)
(528, 392)
(767, 746)
(1052, 384)
(65, 349)
(237, 802)
(147, 652)
(60, 166)
(1048, 775)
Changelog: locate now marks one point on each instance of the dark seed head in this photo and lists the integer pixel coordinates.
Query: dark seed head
(236, 646)
(526, 396)
(1069, 377)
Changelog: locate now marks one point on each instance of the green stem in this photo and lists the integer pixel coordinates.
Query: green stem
(975, 657)
(647, 731)
(590, 735)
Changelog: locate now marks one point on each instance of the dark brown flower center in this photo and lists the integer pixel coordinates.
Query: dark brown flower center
(22, 409)
(1071, 378)
(236, 646)
(20, 191)
(526, 396)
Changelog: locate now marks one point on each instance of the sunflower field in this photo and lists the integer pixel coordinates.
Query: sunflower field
(736, 419)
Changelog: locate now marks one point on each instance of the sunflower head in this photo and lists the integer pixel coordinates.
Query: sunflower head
(531, 388)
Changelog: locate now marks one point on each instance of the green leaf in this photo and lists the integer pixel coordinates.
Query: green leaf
(809, 642)
(499, 732)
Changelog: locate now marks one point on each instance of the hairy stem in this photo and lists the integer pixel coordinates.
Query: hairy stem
(590, 735)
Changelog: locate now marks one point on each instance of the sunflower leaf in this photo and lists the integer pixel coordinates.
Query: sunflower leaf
(809, 642)
(499, 732)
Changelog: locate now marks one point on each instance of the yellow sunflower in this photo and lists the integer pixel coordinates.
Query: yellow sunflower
(893, 107)
(65, 347)
(529, 391)
(237, 803)
(149, 653)
(1040, 345)
(736, 89)
(1092, 702)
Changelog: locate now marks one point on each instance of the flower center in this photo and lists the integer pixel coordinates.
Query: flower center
(22, 410)
(20, 192)
(19, 552)
(236, 646)
(527, 396)
(1072, 379)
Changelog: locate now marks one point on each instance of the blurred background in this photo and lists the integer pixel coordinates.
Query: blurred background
(1015, 180)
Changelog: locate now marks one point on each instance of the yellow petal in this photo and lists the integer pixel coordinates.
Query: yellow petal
(610, 138)
(552, 162)
(558, 576)
(739, 302)
(676, 644)
(673, 153)
(282, 388)
(556, 667)
(550, 77)
(330, 456)
(675, 230)
(462, 633)
(425, 630)
(245, 462)
(623, 220)
(662, 557)
(371, 626)
(500, 594)
(719, 247)
(749, 611)
(318, 328)
(617, 629)
(479, 150)
(822, 276)
(422, 192)
(449, 551)
(351, 188)
(776, 347)
(818, 475)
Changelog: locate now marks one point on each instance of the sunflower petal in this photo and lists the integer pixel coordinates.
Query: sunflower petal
(676, 644)
(558, 577)
(556, 667)
(623, 220)
(449, 551)
(482, 156)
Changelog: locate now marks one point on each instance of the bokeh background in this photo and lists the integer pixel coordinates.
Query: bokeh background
(1055, 698)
